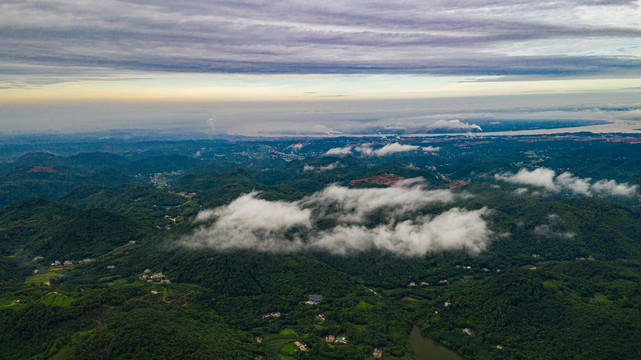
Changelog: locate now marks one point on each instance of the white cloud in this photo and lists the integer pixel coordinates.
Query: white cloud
(347, 150)
(205, 215)
(574, 184)
(322, 129)
(553, 229)
(329, 167)
(211, 123)
(431, 148)
(365, 149)
(629, 114)
(542, 177)
(520, 191)
(275, 226)
(410, 182)
(610, 187)
(394, 148)
(249, 222)
(295, 147)
(455, 124)
(547, 178)
(547, 231)
(451, 230)
(352, 205)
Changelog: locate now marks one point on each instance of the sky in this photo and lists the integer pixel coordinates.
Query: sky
(248, 66)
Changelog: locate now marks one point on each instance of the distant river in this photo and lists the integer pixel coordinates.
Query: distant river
(614, 126)
(428, 349)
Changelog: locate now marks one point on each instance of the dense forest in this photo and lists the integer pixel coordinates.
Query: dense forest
(123, 250)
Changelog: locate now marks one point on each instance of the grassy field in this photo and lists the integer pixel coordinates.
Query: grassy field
(273, 346)
(118, 282)
(57, 299)
(38, 279)
(288, 332)
(363, 305)
(288, 349)
(280, 345)
(10, 303)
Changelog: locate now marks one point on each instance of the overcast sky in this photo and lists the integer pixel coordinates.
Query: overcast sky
(78, 55)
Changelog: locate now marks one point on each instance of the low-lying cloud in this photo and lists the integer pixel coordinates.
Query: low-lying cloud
(546, 230)
(395, 148)
(323, 129)
(542, 177)
(347, 150)
(388, 149)
(567, 182)
(295, 147)
(555, 228)
(339, 220)
(454, 125)
(249, 222)
(431, 148)
(329, 167)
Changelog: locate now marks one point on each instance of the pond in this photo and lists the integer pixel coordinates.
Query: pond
(427, 349)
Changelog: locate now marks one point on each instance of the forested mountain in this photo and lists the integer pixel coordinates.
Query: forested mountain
(25, 181)
(54, 231)
(497, 249)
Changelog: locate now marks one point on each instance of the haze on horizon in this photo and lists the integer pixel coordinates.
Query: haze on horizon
(308, 67)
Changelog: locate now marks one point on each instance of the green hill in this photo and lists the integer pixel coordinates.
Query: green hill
(50, 182)
(88, 234)
(143, 202)
(41, 227)
(24, 222)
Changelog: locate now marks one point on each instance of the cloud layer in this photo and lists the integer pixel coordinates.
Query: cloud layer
(284, 227)
(501, 37)
(567, 182)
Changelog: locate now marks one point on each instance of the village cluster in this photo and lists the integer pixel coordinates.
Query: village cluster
(69, 262)
(413, 284)
(159, 277)
(336, 339)
(315, 299)
(270, 315)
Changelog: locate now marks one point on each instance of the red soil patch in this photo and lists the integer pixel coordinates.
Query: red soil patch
(47, 169)
(457, 183)
(380, 179)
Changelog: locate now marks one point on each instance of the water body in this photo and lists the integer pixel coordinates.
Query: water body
(427, 349)
(614, 126)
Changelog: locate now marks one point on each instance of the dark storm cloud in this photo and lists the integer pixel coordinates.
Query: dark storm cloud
(410, 37)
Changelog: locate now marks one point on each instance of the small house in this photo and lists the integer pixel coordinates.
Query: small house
(313, 299)
(330, 338)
